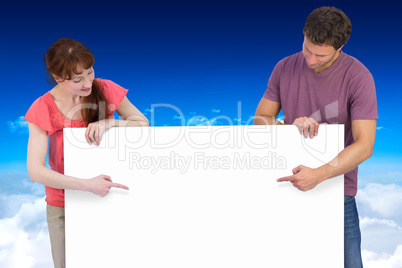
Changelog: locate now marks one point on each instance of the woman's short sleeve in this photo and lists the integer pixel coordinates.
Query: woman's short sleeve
(113, 93)
(39, 114)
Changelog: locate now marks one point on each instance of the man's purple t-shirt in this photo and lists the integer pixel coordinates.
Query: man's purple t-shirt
(343, 92)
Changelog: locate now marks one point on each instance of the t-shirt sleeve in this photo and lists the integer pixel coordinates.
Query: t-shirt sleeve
(273, 89)
(363, 100)
(39, 115)
(113, 93)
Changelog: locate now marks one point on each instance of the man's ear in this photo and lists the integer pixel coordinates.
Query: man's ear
(341, 47)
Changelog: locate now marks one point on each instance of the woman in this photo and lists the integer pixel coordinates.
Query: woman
(70, 66)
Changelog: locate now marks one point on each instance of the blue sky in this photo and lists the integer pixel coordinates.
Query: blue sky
(203, 57)
(199, 56)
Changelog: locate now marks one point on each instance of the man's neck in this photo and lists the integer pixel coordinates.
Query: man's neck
(328, 64)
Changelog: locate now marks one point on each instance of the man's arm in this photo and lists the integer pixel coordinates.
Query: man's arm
(305, 178)
(266, 112)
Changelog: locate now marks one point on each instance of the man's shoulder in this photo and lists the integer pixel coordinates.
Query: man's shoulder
(296, 57)
(353, 65)
(291, 61)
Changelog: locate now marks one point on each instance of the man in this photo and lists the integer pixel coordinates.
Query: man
(322, 84)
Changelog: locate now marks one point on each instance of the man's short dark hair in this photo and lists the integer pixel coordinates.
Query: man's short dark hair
(328, 26)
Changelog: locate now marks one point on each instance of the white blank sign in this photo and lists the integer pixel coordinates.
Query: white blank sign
(204, 197)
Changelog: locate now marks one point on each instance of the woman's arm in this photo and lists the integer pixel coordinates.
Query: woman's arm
(38, 172)
(131, 116)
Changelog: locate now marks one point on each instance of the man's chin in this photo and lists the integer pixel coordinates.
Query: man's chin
(313, 66)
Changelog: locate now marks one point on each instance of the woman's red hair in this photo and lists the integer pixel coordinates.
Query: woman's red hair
(62, 60)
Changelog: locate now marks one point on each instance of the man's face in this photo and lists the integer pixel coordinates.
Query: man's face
(319, 57)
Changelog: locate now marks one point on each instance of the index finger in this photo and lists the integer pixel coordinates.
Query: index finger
(288, 178)
(118, 185)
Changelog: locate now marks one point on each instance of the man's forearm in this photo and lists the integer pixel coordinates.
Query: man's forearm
(305, 178)
(348, 159)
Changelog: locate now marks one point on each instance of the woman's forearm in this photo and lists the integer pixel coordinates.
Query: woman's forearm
(133, 121)
(54, 179)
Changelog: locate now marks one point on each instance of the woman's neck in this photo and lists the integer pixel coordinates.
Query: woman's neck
(69, 105)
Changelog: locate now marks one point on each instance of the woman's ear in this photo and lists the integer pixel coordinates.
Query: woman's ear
(57, 79)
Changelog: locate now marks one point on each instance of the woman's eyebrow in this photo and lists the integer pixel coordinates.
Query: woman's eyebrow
(74, 76)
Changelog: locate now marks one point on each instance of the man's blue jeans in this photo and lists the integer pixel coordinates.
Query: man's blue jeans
(353, 258)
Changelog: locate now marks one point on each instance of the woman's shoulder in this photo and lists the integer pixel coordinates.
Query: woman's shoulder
(107, 84)
(41, 104)
(43, 112)
(113, 92)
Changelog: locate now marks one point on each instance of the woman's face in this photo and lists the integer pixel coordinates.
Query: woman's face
(79, 84)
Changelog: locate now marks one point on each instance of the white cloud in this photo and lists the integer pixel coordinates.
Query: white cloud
(147, 111)
(19, 183)
(380, 235)
(25, 243)
(382, 260)
(380, 127)
(377, 200)
(194, 119)
(24, 238)
(17, 189)
(239, 121)
(280, 119)
(387, 175)
(19, 125)
(215, 121)
(11, 204)
(368, 222)
(198, 121)
(380, 209)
